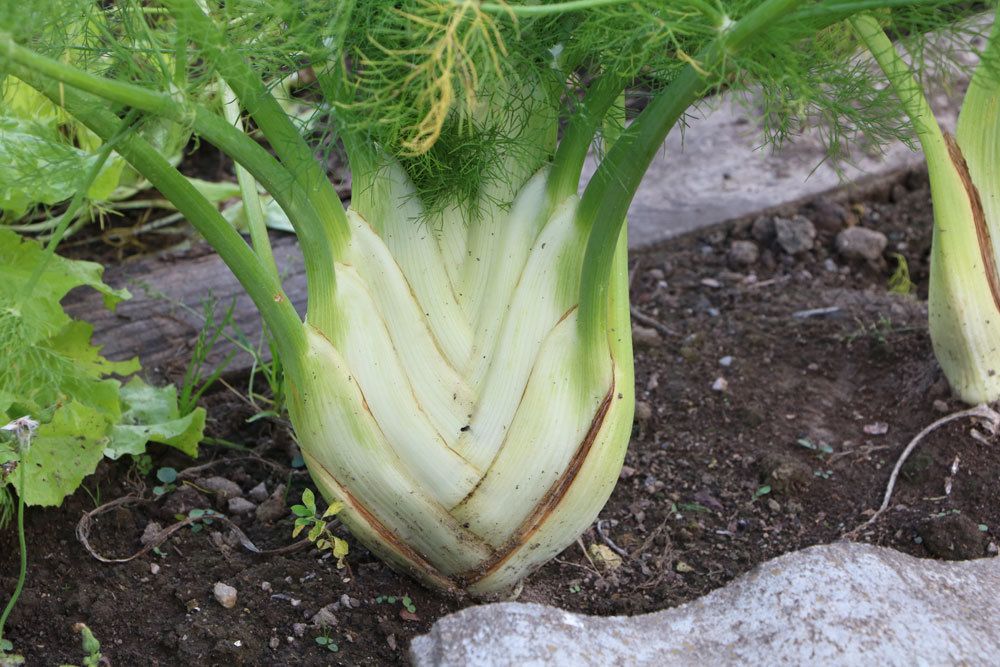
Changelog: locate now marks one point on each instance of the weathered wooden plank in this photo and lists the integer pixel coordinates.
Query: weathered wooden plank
(155, 324)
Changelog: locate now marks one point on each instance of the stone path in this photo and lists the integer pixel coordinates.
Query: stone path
(838, 604)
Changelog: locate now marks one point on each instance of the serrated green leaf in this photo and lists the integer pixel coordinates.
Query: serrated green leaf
(151, 415)
(301, 510)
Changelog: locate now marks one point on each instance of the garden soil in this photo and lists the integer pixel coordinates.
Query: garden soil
(775, 396)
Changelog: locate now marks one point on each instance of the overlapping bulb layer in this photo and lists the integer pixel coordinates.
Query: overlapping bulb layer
(471, 432)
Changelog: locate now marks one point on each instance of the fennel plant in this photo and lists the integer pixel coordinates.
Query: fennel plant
(462, 382)
(964, 291)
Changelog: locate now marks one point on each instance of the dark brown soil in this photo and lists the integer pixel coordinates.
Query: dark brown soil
(793, 452)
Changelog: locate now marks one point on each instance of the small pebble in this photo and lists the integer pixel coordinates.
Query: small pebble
(150, 533)
(324, 618)
(221, 487)
(645, 336)
(298, 629)
(626, 472)
(743, 253)
(265, 586)
(643, 412)
(274, 643)
(861, 243)
(241, 506)
(154, 568)
(763, 229)
(795, 235)
(720, 384)
(774, 505)
(711, 282)
(273, 508)
(941, 406)
(258, 494)
(225, 595)
(726, 361)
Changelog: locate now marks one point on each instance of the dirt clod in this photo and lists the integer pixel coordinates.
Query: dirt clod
(952, 537)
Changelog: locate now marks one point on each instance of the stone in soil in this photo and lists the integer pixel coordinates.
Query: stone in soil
(273, 508)
(763, 230)
(743, 253)
(861, 243)
(225, 595)
(241, 506)
(842, 603)
(222, 488)
(258, 494)
(795, 235)
(325, 617)
(645, 336)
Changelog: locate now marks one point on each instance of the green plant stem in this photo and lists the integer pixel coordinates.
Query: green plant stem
(904, 84)
(272, 120)
(578, 136)
(22, 574)
(544, 10)
(608, 195)
(252, 206)
(273, 304)
(290, 194)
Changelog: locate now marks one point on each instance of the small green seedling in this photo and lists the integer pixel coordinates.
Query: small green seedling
(899, 281)
(91, 647)
(327, 642)
(143, 464)
(575, 588)
(306, 516)
(405, 600)
(762, 491)
(167, 476)
(821, 448)
(205, 516)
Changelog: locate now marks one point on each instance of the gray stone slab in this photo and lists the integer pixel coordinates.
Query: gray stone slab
(838, 604)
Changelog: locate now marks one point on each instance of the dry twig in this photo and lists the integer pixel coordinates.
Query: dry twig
(991, 416)
(84, 525)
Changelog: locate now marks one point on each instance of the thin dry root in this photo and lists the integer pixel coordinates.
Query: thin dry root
(84, 525)
(985, 412)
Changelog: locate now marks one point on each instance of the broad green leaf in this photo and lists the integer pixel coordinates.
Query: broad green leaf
(63, 453)
(42, 313)
(151, 415)
(73, 342)
(38, 166)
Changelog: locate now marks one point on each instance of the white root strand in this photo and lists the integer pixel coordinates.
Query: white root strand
(980, 411)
